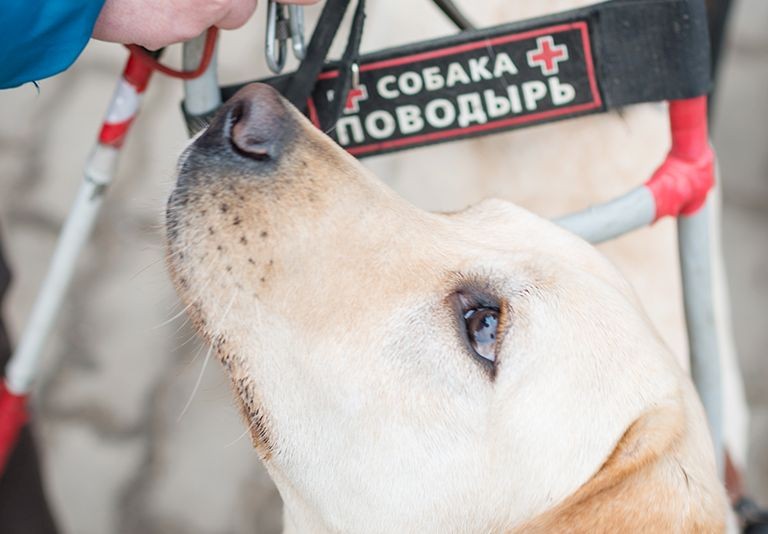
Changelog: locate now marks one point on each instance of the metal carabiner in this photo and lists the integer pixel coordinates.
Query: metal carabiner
(296, 20)
(281, 26)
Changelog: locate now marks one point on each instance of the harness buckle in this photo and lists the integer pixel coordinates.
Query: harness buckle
(355, 68)
(283, 23)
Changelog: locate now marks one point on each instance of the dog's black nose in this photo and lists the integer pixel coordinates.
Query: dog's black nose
(255, 121)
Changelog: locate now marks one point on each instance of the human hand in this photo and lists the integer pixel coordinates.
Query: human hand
(157, 23)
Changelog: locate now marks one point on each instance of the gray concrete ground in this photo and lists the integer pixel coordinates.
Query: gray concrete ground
(122, 454)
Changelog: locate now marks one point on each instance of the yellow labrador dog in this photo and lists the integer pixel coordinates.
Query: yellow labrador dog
(405, 371)
(556, 169)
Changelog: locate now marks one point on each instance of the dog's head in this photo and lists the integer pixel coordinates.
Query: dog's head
(405, 371)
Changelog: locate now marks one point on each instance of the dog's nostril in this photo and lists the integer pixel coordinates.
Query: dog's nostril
(236, 113)
(245, 136)
(250, 145)
(255, 121)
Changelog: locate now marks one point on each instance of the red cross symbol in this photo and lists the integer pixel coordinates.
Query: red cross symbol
(547, 55)
(354, 96)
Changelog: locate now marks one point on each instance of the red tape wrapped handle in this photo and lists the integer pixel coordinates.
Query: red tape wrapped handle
(681, 184)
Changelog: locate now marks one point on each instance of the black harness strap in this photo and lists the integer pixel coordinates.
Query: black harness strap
(477, 82)
(302, 82)
(452, 11)
(351, 57)
(651, 50)
(299, 86)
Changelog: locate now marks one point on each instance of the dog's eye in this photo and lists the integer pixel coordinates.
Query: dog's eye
(482, 325)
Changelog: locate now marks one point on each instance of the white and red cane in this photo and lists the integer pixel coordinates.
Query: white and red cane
(99, 171)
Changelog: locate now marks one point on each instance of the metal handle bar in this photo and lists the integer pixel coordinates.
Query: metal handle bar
(679, 187)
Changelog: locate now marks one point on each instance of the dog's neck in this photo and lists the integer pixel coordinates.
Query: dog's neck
(653, 479)
(650, 483)
(299, 516)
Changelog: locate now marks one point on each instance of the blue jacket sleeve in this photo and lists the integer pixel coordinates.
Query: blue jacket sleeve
(40, 38)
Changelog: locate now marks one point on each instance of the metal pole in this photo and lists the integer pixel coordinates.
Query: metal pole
(694, 242)
(613, 218)
(202, 95)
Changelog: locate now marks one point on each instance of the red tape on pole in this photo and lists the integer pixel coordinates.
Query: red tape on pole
(681, 184)
(13, 416)
(125, 102)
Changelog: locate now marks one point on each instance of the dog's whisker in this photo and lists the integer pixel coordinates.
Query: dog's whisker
(185, 342)
(226, 312)
(182, 325)
(175, 306)
(176, 316)
(145, 268)
(240, 437)
(186, 321)
(197, 353)
(197, 384)
(205, 361)
(180, 313)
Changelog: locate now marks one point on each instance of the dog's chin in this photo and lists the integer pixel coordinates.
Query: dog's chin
(241, 374)
(255, 416)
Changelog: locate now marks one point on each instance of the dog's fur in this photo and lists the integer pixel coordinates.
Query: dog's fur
(332, 303)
